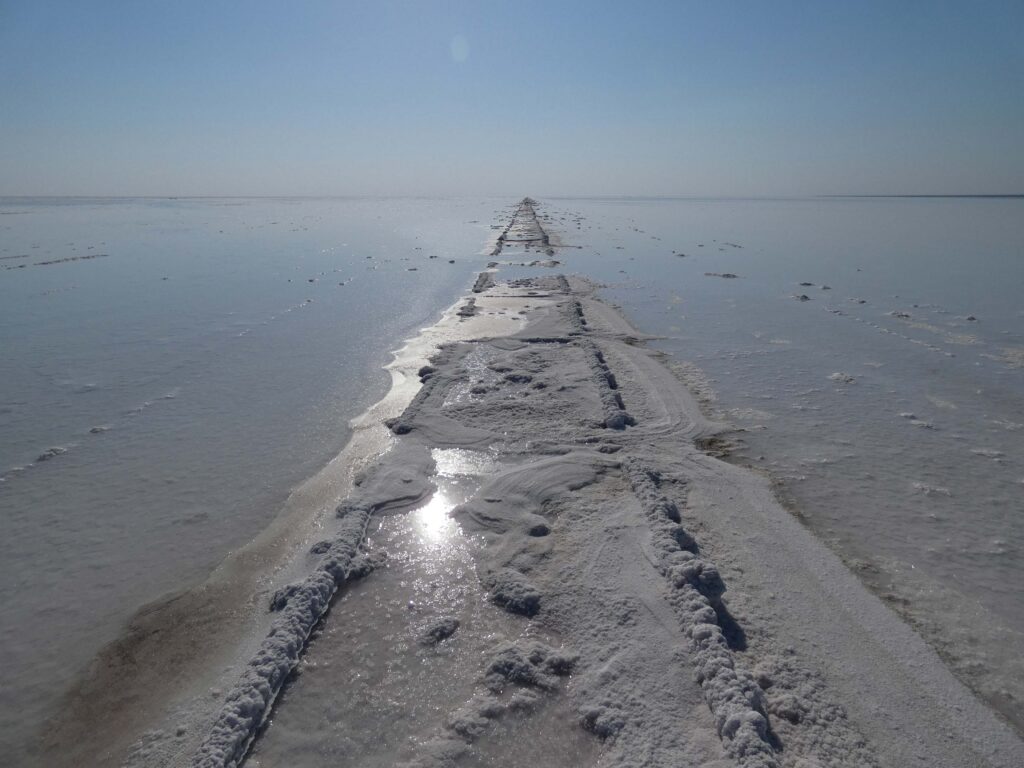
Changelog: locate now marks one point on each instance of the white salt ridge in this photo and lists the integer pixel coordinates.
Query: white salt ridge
(620, 542)
(735, 699)
(389, 486)
(248, 704)
(152, 506)
(554, 487)
(871, 250)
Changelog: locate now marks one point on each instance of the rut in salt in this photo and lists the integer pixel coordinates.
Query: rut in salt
(538, 583)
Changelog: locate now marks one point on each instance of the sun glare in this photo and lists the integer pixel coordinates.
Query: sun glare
(433, 520)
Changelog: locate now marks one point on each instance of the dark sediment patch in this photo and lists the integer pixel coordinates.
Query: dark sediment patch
(67, 259)
(483, 281)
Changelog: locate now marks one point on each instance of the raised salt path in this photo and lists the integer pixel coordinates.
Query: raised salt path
(523, 229)
(571, 580)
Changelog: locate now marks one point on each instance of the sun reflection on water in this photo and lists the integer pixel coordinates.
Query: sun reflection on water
(432, 518)
(455, 462)
(456, 469)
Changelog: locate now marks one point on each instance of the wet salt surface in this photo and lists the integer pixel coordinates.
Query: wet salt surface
(158, 405)
(222, 386)
(372, 662)
(889, 404)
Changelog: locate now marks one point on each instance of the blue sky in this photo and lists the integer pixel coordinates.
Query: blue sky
(541, 98)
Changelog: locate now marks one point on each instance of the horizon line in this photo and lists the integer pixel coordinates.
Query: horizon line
(988, 195)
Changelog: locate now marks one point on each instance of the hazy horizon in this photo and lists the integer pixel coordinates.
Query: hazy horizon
(579, 196)
(556, 100)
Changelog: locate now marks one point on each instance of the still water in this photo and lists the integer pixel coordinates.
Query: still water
(871, 354)
(170, 370)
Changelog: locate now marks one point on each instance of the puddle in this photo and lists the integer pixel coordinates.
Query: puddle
(373, 691)
(453, 463)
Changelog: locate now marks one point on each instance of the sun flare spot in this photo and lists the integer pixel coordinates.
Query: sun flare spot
(432, 518)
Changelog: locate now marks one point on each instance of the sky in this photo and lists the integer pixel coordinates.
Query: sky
(141, 97)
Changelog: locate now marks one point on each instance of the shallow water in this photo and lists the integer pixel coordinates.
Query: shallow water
(893, 420)
(397, 692)
(218, 389)
(180, 386)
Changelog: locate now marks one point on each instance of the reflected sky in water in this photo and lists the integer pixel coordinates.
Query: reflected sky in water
(457, 473)
(432, 521)
(180, 387)
(452, 462)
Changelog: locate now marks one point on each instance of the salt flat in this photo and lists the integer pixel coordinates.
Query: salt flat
(595, 579)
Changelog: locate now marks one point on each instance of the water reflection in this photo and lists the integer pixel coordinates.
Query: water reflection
(452, 462)
(373, 647)
(455, 478)
(432, 520)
